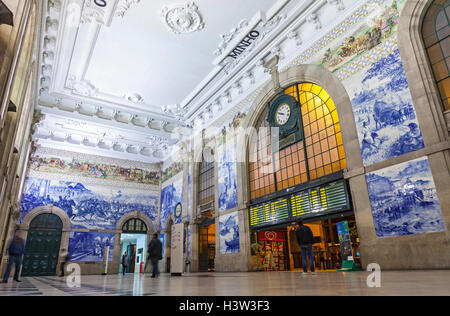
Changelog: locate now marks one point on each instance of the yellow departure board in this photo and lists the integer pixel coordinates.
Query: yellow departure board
(329, 197)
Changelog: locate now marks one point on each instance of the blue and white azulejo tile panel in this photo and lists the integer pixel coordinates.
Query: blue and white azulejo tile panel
(383, 109)
(227, 181)
(229, 233)
(404, 200)
(171, 195)
(88, 206)
(90, 247)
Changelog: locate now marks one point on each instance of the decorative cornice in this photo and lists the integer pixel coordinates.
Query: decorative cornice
(228, 37)
(123, 6)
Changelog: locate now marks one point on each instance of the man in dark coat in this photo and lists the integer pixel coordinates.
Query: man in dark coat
(155, 253)
(16, 251)
(305, 239)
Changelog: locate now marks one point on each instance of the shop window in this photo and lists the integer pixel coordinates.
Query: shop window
(436, 37)
(319, 154)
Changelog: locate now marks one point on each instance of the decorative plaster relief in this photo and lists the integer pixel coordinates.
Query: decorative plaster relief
(123, 6)
(227, 37)
(184, 18)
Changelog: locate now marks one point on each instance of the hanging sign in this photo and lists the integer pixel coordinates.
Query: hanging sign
(271, 235)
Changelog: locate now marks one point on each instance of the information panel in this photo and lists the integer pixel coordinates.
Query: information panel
(329, 197)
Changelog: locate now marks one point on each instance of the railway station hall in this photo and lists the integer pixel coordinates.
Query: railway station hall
(224, 148)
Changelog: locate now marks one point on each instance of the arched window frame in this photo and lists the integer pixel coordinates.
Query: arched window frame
(435, 33)
(262, 178)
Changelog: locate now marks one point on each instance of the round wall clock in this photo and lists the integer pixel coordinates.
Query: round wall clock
(178, 210)
(283, 114)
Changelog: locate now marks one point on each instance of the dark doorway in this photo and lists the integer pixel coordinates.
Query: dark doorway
(207, 245)
(131, 249)
(43, 242)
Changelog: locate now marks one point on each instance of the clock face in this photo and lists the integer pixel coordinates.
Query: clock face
(283, 114)
(178, 210)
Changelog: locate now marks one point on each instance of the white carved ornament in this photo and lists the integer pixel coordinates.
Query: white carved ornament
(266, 29)
(226, 38)
(183, 18)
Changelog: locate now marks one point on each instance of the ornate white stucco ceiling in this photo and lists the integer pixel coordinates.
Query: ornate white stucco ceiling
(147, 68)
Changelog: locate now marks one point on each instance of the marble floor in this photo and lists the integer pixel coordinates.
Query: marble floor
(236, 284)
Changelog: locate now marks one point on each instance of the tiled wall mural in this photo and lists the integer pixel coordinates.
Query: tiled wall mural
(229, 233)
(385, 117)
(171, 171)
(88, 206)
(227, 181)
(162, 237)
(189, 197)
(189, 241)
(362, 52)
(90, 247)
(171, 195)
(83, 165)
(404, 200)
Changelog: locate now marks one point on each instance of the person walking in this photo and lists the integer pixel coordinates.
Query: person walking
(16, 251)
(64, 260)
(155, 254)
(305, 239)
(124, 262)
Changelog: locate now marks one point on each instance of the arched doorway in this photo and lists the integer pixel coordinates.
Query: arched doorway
(299, 173)
(206, 244)
(133, 240)
(43, 243)
(168, 243)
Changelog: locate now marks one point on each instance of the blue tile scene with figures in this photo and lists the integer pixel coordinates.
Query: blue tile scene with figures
(162, 237)
(227, 180)
(171, 195)
(88, 206)
(90, 247)
(229, 233)
(189, 241)
(384, 113)
(404, 200)
(189, 197)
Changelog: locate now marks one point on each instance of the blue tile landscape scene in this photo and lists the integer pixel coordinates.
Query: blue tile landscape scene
(404, 200)
(227, 180)
(384, 114)
(87, 206)
(229, 233)
(171, 195)
(90, 247)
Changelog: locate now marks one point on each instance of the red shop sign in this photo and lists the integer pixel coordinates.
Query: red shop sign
(271, 235)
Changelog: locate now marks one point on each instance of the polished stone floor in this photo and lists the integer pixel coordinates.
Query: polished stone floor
(236, 284)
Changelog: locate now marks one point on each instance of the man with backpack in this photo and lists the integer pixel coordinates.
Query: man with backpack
(305, 239)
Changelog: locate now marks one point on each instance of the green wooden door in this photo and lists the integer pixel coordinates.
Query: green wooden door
(42, 247)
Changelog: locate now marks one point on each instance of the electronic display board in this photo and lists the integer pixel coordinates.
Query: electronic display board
(329, 197)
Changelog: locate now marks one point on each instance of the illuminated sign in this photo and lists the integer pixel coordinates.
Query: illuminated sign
(320, 200)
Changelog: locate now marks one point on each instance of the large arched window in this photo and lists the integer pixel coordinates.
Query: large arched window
(206, 182)
(319, 154)
(436, 37)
